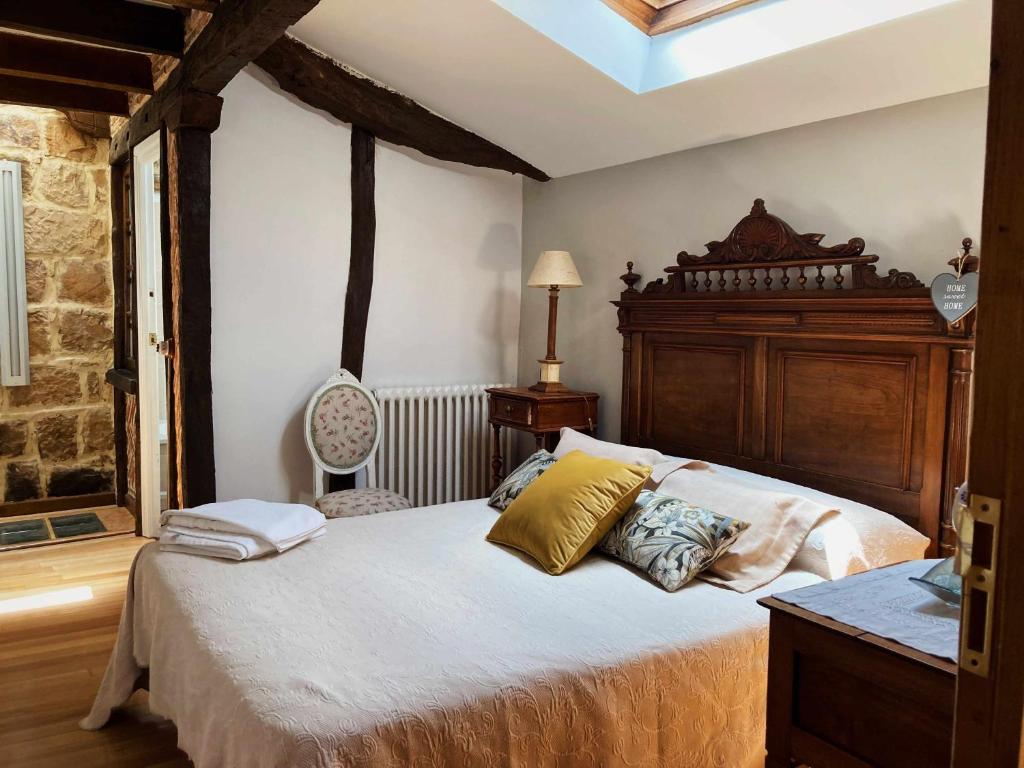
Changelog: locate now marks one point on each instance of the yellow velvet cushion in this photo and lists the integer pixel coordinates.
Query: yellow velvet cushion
(563, 513)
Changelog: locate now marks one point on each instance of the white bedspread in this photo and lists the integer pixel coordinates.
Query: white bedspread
(405, 638)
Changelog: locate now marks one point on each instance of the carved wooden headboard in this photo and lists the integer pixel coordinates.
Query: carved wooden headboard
(778, 355)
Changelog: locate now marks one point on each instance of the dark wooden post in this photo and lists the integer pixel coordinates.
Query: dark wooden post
(360, 267)
(188, 210)
(167, 273)
(118, 225)
(360, 264)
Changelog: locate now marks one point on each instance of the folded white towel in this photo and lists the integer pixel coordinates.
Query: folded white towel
(229, 546)
(281, 525)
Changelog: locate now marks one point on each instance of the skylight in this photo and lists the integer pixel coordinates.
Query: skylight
(656, 17)
(600, 36)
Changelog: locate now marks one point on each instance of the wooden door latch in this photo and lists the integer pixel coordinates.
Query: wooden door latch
(166, 347)
(979, 545)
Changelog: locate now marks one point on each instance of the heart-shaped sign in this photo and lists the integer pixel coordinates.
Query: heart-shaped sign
(955, 296)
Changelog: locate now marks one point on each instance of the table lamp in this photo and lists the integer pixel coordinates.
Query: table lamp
(554, 270)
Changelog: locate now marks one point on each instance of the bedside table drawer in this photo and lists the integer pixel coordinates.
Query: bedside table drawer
(577, 414)
(511, 411)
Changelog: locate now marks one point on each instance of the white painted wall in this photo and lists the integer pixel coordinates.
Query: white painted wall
(446, 292)
(907, 179)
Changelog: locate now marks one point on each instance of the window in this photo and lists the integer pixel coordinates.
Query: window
(13, 312)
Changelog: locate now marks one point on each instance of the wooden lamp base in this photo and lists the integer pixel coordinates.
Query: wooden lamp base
(550, 379)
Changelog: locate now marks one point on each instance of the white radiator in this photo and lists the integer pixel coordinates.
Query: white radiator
(436, 443)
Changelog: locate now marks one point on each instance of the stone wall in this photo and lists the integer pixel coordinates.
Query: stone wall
(56, 435)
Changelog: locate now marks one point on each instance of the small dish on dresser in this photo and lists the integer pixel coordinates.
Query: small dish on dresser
(943, 581)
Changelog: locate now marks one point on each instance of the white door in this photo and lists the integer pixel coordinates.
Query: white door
(152, 368)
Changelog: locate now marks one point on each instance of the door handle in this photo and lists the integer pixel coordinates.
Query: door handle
(166, 347)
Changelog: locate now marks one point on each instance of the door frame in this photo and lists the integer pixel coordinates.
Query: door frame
(990, 708)
(149, 255)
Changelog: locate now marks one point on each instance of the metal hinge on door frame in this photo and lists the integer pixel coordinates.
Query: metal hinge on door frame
(979, 545)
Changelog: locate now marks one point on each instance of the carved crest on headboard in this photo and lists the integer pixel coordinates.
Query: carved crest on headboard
(762, 236)
(765, 249)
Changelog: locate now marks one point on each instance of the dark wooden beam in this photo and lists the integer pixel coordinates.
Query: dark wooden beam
(352, 98)
(113, 23)
(43, 59)
(360, 261)
(169, 307)
(42, 93)
(360, 267)
(188, 211)
(173, 106)
(124, 380)
(239, 31)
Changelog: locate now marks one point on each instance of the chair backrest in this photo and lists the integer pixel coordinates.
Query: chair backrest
(342, 425)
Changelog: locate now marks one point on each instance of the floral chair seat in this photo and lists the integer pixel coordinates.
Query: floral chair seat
(361, 501)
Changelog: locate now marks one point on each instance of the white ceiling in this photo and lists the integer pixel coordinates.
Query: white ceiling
(485, 69)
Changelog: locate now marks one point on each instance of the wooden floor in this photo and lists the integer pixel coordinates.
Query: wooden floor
(52, 660)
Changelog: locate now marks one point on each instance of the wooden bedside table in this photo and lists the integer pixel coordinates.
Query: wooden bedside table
(542, 414)
(840, 696)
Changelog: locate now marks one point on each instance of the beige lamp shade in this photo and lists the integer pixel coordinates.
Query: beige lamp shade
(554, 268)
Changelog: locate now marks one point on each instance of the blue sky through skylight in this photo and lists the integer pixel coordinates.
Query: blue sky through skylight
(601, 37)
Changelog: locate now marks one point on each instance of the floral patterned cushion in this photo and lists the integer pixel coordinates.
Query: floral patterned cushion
(670, 539)
(519, 478)
(343, 427)
(361, 501)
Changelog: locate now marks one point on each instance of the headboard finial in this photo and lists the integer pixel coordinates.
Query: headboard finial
(630, 278)
(771, 255)
(965, 262)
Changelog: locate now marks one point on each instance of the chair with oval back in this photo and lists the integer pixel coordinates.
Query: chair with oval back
(343, 429)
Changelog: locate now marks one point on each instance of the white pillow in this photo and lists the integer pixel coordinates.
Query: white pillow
(854, 539)
(570, 440)
(857, 539)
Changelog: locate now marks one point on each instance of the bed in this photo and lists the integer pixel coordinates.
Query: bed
(406, 639)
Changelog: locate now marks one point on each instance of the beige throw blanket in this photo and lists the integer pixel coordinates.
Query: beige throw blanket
(779, 523)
